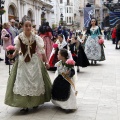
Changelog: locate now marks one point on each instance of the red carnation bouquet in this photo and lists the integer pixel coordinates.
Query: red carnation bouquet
(101, 42)
(10, 50)
(55, 45)
(70, 63)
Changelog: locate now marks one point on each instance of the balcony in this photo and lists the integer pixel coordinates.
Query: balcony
(69, 4)
(91, 2)
(45, 1)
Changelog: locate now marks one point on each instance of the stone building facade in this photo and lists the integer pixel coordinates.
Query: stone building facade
(38, 10)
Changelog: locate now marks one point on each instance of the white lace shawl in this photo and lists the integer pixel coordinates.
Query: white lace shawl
(28, 41)
(63, 44)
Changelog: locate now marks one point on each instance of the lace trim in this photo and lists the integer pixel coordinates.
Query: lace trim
(95, 28)
(25, 40)
(29, 91)
(93, 49)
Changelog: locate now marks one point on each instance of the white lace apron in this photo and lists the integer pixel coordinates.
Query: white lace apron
(29, 80)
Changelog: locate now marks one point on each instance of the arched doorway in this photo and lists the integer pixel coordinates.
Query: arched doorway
(30, 15)
(12, 12)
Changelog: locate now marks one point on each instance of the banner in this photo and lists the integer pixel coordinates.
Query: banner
(114, 18)
(88, 14)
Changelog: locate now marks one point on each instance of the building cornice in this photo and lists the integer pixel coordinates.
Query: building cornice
(45, 4)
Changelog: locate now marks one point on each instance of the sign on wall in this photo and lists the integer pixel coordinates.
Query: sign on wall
(88, 14)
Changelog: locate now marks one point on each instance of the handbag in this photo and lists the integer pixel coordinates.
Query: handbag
(7, 35)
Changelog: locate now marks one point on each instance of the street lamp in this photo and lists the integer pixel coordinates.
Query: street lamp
(43, 14)
(88, 5)
(43, 9)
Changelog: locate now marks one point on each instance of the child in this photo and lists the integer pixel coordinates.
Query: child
(78, 53)
(63, 90)
(29, 84)
(53, 57)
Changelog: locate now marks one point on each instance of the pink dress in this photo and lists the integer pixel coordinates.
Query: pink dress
(6, 40)
(48, 43)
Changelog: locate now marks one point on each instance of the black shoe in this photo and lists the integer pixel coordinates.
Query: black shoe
(116, 48)
(70, 111)
(1, 59)
(24, 110)
(78, 70)
(95, 62)
(92, 62)
(8, 63)
(35, 107)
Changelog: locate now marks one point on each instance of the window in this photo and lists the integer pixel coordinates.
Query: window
(67, 19)
(68, 2)
(70, 20)
(67, 9)
(70, 9)
(61, 1)
(61, 10)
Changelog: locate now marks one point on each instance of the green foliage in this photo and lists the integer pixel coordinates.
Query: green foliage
(2, 11)
(54, 26)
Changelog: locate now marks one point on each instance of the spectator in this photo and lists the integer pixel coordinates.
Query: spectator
(7, 39)
(114, 34)
(13, 29)
(118, 36)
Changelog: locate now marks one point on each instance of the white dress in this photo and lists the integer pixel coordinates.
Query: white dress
(29, 79)
(70, 103)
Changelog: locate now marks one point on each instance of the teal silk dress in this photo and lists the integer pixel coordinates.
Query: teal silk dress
(93, 50)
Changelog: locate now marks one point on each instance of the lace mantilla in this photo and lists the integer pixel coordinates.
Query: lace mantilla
(26, 40)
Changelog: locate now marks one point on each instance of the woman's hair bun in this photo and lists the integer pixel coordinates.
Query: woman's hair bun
(25, 18)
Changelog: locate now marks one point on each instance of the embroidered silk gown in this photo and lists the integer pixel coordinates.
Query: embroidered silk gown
(93, 49)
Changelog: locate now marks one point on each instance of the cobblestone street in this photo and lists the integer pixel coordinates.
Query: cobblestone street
(98, 96)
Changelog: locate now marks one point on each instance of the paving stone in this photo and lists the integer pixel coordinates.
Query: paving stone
(98, 93)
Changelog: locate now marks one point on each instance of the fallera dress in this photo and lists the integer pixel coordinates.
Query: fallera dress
(79, 55)
(93, 50)
(63, 93)
(29, 84)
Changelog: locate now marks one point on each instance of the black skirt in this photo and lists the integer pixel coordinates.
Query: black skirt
(60, 89)
(82, 58)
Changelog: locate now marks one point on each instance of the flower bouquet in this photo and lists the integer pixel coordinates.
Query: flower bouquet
(101, 42)
(70, 63)
(55, 45)
(10, 50)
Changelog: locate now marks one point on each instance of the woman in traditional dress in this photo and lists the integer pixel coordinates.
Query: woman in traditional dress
(29, 84)
(53, 57)
(46, 34)
(63, 90)
(93, 49)
(78, 53)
